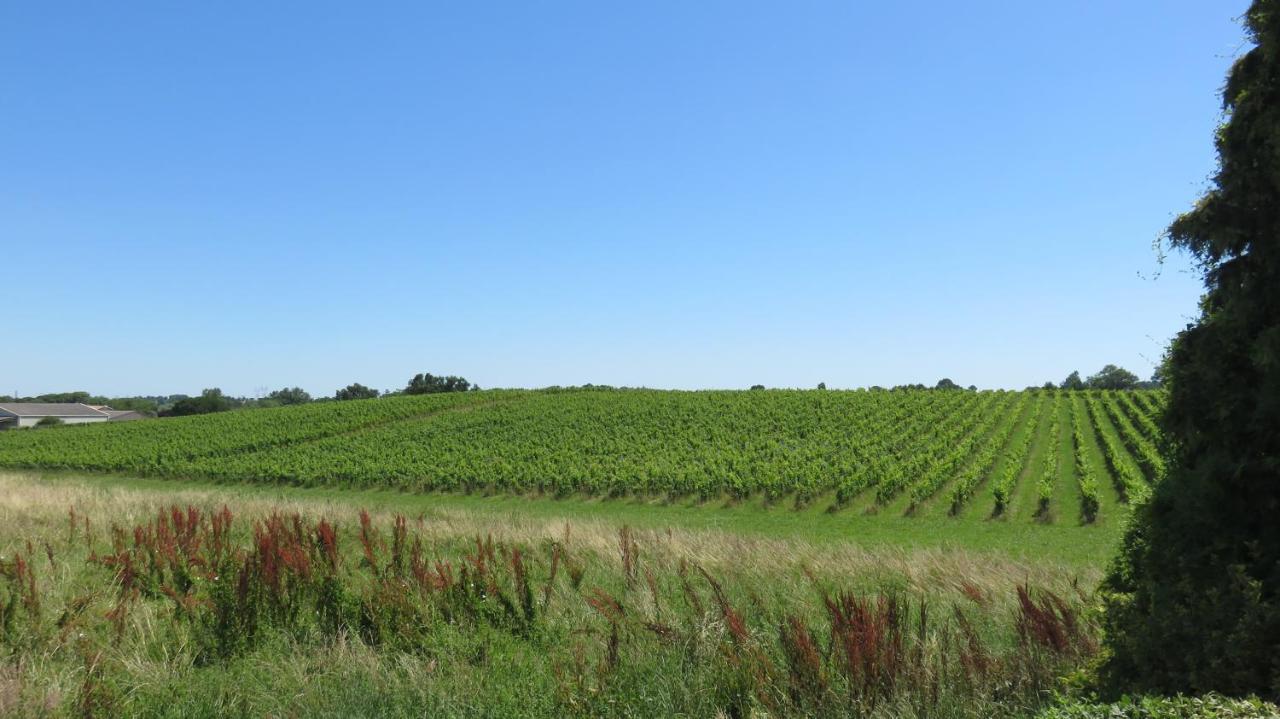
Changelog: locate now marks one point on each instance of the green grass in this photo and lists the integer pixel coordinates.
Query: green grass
(121, 618)
(1073, 544)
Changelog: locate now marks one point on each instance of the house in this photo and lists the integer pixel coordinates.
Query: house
(27, 414)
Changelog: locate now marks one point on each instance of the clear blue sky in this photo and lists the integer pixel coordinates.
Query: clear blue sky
(669, 194)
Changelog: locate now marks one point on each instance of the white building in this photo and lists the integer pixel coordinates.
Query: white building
(27, 414)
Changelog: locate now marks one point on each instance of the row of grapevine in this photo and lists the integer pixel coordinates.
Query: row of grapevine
(946, 450)
(884, 449)
(1049, 475)
(1142, 418)
(1127, 478)
(1143, 450)
(1153, 401)
(973, 449)
(1002, 486)
(984, 460)
(1089, 492)
(914, 460)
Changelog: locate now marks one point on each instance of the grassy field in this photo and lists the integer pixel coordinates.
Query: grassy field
(1083, 546)
(139, 598)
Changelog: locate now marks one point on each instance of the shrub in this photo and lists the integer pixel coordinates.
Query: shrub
(1192, 601)
(1210, 705)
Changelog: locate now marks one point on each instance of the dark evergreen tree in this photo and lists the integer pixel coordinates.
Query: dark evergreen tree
(1193, 601)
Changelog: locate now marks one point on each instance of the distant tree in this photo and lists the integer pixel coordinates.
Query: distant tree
(1073, 381)
(427, 383)
(142, 405)
(1154, 383)
(972, 388)
(757, 386)
(946, 383)
(209, 401)
(1112, 377)
(49, 422)
(1049, 385)
(822, 385)
(290, 395)
(167, 404)
(592, 387)
(69, 397)
(355, 390)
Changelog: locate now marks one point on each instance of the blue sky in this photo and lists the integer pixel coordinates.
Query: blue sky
(667, 194)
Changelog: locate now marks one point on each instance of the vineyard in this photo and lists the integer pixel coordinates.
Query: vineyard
(1047, 456)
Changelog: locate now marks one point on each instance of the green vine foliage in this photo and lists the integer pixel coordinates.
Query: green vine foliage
(1193, 600)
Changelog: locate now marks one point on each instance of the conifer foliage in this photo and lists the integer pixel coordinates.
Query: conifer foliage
(1193, 602)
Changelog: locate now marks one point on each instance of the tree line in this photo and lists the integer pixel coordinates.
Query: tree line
(1109, 377)
(214, 399)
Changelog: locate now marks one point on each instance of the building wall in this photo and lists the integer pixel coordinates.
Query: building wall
(31, 421)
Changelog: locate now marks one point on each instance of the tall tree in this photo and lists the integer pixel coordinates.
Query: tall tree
(290, 395)
(427, 383)
(1193, 601)
(355, 390)
(209, 401)
(1073, 381)
(1113, 377)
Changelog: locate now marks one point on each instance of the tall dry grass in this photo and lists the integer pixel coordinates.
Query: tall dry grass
(109, 598)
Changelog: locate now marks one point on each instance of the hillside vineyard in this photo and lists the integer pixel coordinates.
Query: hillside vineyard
(1047, 455)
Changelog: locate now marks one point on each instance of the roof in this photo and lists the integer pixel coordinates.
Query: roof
(120, 415)
(50, 409)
